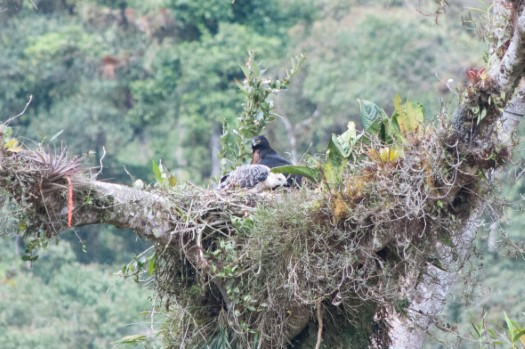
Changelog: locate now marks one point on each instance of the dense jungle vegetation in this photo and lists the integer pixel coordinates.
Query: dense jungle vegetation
(130, 82)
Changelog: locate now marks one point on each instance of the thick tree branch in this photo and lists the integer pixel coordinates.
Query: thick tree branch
(510, 70)
(148, 214)
(434, 283)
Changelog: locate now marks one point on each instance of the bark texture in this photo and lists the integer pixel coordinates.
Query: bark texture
(427, 290)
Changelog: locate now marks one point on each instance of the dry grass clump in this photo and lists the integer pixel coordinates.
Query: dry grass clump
(256, 269)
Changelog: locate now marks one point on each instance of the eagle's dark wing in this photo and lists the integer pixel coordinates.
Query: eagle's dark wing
(246, 176)
(273, 160)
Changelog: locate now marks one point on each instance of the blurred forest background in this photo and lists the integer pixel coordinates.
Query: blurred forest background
(150, 80)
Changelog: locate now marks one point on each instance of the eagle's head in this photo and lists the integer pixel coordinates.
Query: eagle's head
(260, 142)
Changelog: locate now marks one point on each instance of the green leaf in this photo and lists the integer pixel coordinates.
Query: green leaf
(518, 335)
(345, 142)
(334, 152)
(55, 136)
(156, 171)
(510, 324)
(172, 181)
(481, 115)
(371, 116)
(151, 265)
(133, 339)
(350, 135)
(409, 116)
(12, 145)
(29, 258)
(310, 173)
(476, 328)
(332, 172)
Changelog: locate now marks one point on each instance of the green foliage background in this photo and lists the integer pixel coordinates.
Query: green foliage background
(150, 80)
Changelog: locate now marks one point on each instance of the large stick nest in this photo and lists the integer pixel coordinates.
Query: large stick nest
(255, 270)
(251, 270)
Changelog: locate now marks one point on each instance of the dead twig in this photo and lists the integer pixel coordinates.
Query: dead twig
(21, 113)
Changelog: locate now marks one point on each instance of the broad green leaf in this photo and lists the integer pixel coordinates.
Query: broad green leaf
(311, 173)
(156, 171)
(336, 144)
(333, 153)
(340, 147)
(350, 134)
(345, 141)
(332, 172)
(371, 116)
(409, 116)
(390, 131)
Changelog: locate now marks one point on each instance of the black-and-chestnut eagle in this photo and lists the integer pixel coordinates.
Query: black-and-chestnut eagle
(263, 154)
(257, 178)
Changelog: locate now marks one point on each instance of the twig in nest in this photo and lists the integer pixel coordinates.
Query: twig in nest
(21, 113)
(100, 162)
(320, 325)
(202, 262)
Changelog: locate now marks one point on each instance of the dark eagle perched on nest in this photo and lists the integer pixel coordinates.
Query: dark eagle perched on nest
(263, 154)
(254, 177)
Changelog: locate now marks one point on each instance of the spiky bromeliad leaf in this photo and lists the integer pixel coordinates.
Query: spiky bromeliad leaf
(310, 173)
(385, 154)
(57, 164)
